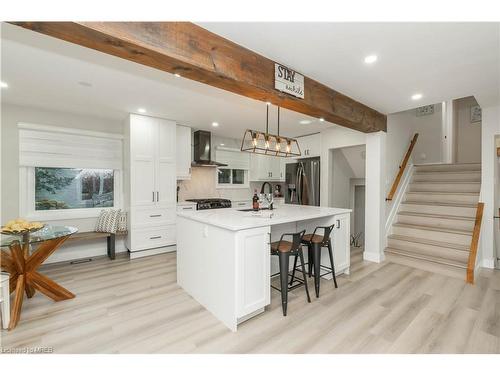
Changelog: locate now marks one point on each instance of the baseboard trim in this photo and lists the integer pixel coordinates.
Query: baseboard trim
(373, 257)
(82, 250)
(149, 252)
(488, 263)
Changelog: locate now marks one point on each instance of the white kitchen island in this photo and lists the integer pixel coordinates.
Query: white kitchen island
(223, 255)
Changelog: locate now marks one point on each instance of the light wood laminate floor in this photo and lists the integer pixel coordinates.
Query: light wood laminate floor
(125, 306)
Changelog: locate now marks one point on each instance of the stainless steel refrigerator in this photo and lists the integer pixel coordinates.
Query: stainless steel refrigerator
(302, 182)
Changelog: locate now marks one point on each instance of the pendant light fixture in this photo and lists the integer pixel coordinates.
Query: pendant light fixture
(257, 142)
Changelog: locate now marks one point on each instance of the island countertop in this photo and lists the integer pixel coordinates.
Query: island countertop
(233, 219)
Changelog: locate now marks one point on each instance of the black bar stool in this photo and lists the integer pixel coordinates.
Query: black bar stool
(315, 243)
(284, 249)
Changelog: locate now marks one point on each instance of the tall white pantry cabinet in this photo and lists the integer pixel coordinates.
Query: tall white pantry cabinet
(150, 185)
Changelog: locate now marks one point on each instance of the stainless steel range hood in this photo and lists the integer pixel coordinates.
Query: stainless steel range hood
(203, 150)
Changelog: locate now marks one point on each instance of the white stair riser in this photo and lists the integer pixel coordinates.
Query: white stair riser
(448, 167)
(446, 187)
(442, 198)
(429, 250)
(436, 222)
(439, 210)
(454, 238)
(439, 176)
(442, 269)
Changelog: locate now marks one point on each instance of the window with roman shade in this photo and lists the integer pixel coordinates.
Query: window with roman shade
(68, 173)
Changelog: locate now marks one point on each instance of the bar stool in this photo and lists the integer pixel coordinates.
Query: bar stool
(284, 249)
(315, 243)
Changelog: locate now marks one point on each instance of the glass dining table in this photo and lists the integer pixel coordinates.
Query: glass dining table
(21, 262)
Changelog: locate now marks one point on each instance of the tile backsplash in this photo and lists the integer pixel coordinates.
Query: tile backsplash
(203, 184)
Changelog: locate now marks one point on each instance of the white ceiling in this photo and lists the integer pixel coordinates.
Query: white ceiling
(44, 72)
(439, 60)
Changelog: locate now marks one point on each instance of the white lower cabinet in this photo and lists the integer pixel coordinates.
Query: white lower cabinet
(150, 238)
(341, 243)
(252, 271)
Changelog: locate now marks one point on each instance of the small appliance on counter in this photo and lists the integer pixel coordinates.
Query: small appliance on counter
(210, 203)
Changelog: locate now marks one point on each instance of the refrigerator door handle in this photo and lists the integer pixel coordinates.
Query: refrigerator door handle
(313, 184)
(297, 186)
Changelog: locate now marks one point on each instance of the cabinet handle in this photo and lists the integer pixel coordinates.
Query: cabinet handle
(187, 208)
(154, 238)
(157, 196)
(158, 215)
(338, 224)
(153, 196)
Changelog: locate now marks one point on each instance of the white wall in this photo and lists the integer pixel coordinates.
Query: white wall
(489, 186)
(375, 194)
(399, 135)
(10, 117)
(333, 138)
(428, 149)
(468, 134)
(342, 174)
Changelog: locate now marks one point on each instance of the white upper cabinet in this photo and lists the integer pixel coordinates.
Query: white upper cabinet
(266, 168)
(142, 160)
(310, 145)
(183, 152)
(152, 161)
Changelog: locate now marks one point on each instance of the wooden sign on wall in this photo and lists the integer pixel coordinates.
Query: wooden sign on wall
(288, 80)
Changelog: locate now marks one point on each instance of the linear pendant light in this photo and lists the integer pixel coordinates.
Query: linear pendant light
(257, 142)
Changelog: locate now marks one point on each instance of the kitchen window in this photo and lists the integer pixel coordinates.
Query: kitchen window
(233, 178)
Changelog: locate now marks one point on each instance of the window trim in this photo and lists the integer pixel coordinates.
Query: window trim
(27, 199)
(245, 185)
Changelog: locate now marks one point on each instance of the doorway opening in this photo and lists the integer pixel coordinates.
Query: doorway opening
(348, 187)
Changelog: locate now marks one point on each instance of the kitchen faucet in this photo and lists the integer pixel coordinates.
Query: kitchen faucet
(269, 197)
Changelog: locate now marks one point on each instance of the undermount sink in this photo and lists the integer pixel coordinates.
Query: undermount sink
(251, 209)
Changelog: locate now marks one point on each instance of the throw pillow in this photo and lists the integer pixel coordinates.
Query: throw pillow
(107, 221)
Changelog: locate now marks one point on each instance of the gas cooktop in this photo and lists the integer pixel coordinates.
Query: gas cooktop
(210, 203)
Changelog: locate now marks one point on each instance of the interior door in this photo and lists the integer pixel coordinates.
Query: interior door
(143, 137)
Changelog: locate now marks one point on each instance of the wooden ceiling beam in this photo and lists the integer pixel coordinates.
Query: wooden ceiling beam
(200, 55)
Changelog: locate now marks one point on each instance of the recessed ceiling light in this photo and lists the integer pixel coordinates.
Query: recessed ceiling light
(177, 75)
(85, 84)
(304, 122)
(416, 96)
(222, 144)
(370, 59)
(215, 124)
(141, 110)
(3, 85)
(321, 119)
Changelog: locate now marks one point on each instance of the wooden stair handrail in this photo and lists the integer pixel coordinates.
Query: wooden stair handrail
(471, 264)
(402, 168)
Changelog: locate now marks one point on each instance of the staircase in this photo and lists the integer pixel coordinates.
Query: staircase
(434, 224)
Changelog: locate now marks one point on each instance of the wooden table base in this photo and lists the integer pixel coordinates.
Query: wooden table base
(24, 277)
